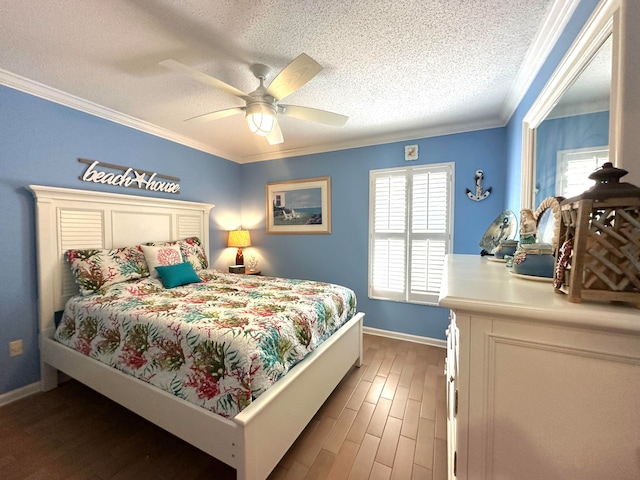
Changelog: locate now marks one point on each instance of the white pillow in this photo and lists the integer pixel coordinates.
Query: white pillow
(161, 255)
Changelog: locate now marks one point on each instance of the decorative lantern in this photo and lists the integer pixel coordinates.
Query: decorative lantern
(599, 254)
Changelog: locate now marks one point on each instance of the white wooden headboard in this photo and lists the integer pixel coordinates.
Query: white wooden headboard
(68, 218)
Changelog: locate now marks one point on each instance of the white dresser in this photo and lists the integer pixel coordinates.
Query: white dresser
(539, 388)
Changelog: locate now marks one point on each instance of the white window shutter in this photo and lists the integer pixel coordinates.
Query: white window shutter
(390, 204)
(389, 264)
(427, 265)
(410, 222)
(388, 245)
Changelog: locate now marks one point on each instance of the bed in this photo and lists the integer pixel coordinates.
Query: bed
(70, 219)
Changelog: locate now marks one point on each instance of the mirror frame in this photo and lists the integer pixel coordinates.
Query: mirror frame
(603, 22)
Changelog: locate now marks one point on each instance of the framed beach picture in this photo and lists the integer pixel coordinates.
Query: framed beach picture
(299, 206)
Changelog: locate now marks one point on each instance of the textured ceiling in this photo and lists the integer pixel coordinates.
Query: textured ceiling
(399, 69)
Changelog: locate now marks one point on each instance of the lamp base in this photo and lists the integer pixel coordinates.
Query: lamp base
(239, 257)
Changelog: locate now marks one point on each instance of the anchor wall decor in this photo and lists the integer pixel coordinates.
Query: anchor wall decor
(479, 194)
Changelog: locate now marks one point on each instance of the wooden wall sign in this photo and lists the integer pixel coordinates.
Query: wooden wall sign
(128, 177)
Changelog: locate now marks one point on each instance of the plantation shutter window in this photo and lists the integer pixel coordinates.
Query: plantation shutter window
(409, 232)
(574, 167)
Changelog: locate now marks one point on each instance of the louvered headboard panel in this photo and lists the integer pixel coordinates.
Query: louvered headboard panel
(78, 229)
(68, 218)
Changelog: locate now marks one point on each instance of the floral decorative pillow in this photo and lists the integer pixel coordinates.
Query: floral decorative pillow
(95, 269)
(162, 255)
(192, 251)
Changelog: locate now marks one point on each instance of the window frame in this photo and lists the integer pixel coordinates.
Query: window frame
(406, 295)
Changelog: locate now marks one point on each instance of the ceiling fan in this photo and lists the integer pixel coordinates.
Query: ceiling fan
(262, 105)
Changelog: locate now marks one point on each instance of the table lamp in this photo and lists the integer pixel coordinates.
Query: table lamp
(239, 239)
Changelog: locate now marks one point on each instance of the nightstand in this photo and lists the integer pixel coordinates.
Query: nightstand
(255, 272)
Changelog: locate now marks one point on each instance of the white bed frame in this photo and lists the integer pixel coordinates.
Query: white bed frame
(256, 439)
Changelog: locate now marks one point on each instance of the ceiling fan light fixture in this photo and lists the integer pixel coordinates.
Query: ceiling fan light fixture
(261, 118)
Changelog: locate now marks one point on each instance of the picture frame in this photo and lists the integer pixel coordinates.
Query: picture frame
(299, 206)
(410, 152)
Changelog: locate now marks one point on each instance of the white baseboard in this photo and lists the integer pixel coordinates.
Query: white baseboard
(434, 342)
(19, 393)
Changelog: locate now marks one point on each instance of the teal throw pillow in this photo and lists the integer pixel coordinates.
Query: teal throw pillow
(178, 274)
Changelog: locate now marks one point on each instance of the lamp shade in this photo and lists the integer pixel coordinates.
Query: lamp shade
(261, 118)
(239, 239)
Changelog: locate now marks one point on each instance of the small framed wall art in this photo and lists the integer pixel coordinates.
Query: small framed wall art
(410, 152)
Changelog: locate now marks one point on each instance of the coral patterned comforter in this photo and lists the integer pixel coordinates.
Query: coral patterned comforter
(218, 344)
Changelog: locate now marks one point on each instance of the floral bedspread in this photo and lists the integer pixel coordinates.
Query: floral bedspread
(219, 343)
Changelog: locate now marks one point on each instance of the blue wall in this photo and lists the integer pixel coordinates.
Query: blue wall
(342, 256)
(40, 143)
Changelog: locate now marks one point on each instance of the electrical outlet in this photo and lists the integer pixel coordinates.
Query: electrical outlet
(15, 348)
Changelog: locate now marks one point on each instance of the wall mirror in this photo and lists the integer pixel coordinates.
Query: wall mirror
(568, 132)
(573, 139)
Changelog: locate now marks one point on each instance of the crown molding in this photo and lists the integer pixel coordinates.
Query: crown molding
(45, 92)
(555, 22)
(369, 141)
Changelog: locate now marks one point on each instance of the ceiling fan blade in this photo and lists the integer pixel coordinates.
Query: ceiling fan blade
(207, 117)
(313, 114)
(302, 69)
(275, 137)
(203, 78)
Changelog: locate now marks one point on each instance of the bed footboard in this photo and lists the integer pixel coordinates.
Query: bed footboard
(256, 439)
(291, 403)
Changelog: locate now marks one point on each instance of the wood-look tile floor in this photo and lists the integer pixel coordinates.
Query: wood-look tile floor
(386, 420)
